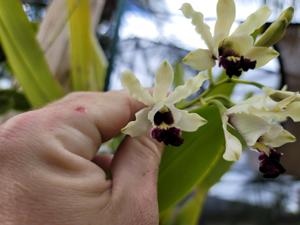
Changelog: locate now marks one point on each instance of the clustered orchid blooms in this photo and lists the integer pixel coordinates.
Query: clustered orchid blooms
(257, 119)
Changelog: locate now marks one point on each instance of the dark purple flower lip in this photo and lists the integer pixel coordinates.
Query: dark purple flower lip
(164, 132)
(233, 63)
(270, 164)
(164, 116)
(169, 136)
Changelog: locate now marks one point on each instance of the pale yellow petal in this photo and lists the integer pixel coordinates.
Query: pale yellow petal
(293, 111)
(240, 44)
(187, 121)
(233, 147)
(277, 136)
(133, 86)
(249, 126)
(225, 18)
(253, 21)
(140, 125)
(256, 101)
(185, 90)
(278, 95)
(261, 55)
(198, 21)
(200, 59)
(163, 81)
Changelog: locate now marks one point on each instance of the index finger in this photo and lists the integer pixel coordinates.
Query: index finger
(109, 111)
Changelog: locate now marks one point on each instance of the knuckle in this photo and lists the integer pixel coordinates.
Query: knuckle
(74, 96)
(20, 123)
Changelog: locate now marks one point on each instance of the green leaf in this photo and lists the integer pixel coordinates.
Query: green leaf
(88, 62)
(178, 74)
(98, 66)
(5, 101)
(25, 56)
(196, 161)
(11, 99)
(20, 102)
(189, 214)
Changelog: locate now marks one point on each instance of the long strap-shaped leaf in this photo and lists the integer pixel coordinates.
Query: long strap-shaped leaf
(88, 63)
(25, 56)
(198, 160)
(98, 66)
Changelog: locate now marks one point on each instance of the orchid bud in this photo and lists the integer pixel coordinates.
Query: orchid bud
(277, 29)
(287, 14)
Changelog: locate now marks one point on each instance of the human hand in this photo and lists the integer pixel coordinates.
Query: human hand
(50, 175)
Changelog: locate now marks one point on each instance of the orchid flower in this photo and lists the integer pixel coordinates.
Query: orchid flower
(235, 52)
(272, 105)
(264, 137)
(160, 112)
(258, 119)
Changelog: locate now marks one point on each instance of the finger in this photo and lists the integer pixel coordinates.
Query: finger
(104, 161)
(97, 116)
(135, 165)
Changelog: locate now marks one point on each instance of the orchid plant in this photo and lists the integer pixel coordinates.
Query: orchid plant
(203, 130)
(255, 123)
(257, 119)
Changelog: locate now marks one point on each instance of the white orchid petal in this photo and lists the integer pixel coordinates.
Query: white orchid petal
(261, 55)
(163, 81)
(233, 147)
(281, 105)
(187, 121)
(241, 44)
(253, 21)
(249, 126)
(187, 10)
(225, 19)
(200, 59)
(198, 21)
(277, 136)
(269, 116)
(256, 101)
(293, 111)
(185, 90)
(190, 122)
(140, 125)
(279, 95)
(133, 86)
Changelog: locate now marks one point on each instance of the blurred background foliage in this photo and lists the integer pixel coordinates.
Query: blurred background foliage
(138, 35)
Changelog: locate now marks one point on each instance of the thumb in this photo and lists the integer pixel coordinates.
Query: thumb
(135, 165)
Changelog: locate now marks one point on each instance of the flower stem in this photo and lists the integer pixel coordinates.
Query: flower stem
(222, 98)
(253, 83)
(231, 80)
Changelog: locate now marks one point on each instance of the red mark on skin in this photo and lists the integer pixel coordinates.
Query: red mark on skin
(80, 109)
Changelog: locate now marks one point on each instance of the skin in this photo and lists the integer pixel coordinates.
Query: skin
(50, 174)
